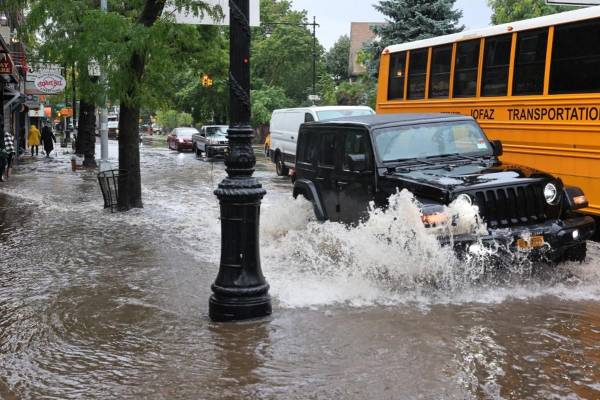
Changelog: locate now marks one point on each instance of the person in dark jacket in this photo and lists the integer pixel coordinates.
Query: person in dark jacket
(48, 139)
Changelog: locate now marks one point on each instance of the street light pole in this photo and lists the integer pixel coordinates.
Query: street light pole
(104, 165)
(314, 85)
(240, 290)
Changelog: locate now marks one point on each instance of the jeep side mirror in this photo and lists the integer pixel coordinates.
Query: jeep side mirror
(356, 162)
(497, 146)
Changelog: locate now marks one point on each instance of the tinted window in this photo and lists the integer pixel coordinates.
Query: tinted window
(465, 70)
(495, 66)
(355, 143)
(396, 82)
(308, 117)
(417, 73)
(327, 149)
(576, 58)
(308, 145)
(439, 84)
(530, 62)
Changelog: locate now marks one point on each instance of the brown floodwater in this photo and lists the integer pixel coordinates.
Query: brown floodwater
(96, 305)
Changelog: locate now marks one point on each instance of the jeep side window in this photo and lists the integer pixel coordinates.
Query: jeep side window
(355, 143)
(327, 150)
(308, 145)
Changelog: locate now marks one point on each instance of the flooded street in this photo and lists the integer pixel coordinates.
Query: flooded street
(96, 305)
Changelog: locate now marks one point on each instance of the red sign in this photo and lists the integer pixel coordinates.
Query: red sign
(6, 64)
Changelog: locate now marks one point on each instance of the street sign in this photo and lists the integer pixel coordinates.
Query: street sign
(6, 64)
(183, 17)
(573, 2)
(50, 83)
(36, 72)
(314, 97)
(94, 68)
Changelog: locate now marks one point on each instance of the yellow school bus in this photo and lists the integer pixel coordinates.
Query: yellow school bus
(533, 84)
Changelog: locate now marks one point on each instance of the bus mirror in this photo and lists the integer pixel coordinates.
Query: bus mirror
(356, 162)
(497, 146)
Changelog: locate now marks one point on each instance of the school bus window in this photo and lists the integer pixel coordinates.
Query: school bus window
(417, 73)
(576, 58)
(495, 65)
(439, 81)
(465, 70)
(396, 80)
(530, 62)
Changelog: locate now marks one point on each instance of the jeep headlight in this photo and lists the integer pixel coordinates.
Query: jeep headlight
(550, 193)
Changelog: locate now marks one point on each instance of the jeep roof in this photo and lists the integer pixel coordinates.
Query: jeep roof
(379, 120)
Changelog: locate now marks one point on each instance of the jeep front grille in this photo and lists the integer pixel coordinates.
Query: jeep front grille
(511, 206)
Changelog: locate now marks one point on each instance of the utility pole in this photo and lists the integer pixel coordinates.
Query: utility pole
(314, 26)
(104, 165)
(240, 291)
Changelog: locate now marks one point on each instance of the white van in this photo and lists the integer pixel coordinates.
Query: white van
(285, 124)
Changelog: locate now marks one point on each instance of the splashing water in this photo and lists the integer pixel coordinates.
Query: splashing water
(389, 258)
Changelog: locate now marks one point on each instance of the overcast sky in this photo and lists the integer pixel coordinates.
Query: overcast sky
(335, 16)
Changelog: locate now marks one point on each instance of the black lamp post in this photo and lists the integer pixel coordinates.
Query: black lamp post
(240, 291)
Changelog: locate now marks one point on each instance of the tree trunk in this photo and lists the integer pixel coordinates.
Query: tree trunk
(86, 137)
(130, 184)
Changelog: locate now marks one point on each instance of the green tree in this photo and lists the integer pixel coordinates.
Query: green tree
(410, 20)
(136, 46)
(504, 11)
(338, 58)
(282, 53)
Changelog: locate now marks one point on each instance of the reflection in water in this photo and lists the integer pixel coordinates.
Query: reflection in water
(100, 305)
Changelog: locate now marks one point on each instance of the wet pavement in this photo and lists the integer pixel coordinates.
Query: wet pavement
(96, 305)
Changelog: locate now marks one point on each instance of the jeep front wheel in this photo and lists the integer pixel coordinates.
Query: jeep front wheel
(280, 167)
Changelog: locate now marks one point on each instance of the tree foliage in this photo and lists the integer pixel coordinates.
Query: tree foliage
(337, 59)
(410, 20)
(504, 11)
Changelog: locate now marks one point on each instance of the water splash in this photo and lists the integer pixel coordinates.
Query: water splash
(390, 258)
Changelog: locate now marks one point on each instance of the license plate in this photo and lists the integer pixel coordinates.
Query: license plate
(533, 242)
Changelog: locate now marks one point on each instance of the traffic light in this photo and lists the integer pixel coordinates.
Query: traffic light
(58, 115)
(206, 81)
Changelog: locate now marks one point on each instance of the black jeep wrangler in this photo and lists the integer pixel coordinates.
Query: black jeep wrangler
(343, 164)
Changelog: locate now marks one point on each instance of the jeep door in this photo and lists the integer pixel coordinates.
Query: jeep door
(355, 175)
(325, 179)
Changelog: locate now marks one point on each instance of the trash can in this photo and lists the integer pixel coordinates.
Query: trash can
(109, 185)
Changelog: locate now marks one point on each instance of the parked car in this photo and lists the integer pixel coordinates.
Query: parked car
(286, 122)
(344, 164)
(113, 128)
(211, 140)
(181, 138)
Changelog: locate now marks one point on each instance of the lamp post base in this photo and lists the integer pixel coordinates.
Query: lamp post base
(238, 309)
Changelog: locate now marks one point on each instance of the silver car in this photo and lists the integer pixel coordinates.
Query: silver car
(210, 141)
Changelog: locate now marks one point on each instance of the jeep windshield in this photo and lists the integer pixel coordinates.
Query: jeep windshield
(409, 142)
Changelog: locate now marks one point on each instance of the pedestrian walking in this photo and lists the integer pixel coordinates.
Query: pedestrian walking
(9, 147)
(48, 139)
(34, 139)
